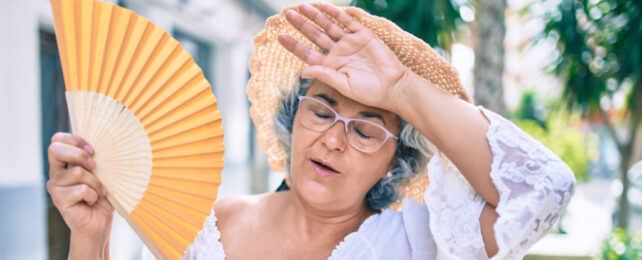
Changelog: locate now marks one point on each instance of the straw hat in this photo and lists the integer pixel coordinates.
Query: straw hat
(274, 70)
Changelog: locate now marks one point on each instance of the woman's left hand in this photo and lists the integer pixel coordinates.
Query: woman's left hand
(358, 64)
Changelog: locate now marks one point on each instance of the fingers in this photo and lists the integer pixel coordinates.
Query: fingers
(105, 204)
(333, 30)
(59, 150)
(310, 31)
(74, 185)
(303, 52)
(72, 140)
(78, 175)
(342, 17)
(62, 154)
(67, 196)
(329, 76)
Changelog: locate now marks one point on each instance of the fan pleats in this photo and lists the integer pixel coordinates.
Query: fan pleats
(124, 155)
(144, 105)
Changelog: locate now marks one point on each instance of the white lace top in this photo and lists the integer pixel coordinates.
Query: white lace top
(534, 186)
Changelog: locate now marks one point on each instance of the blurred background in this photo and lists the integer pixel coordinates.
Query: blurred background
(569, 72)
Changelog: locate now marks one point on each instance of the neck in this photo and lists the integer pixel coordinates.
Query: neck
(309, 222)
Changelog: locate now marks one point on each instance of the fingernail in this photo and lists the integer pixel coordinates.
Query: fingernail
(91, 163)
(88, 149)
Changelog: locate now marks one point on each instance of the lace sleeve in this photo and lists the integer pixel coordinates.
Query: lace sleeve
(534, 186)
(207, 244)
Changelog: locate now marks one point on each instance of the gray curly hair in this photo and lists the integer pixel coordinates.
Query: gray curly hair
(412, 153)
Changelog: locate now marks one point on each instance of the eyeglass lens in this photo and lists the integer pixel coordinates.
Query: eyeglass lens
(362, 135)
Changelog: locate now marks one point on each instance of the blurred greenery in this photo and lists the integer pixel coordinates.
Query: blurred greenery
(599, 45)
(530, 108)
(621, 245)
(565, 140)
(435, 21)
(559, 131)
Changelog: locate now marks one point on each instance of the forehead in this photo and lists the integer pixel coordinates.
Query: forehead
(350, 106)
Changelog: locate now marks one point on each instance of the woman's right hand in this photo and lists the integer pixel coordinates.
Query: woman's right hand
(79, 195)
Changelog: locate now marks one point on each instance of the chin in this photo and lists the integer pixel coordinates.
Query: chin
(319, 194)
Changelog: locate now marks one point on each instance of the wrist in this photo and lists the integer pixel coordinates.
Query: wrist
(404, 92)
(87, 247)
(415, 101)
(399, 92)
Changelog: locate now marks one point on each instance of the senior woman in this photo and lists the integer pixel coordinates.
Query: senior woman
(373, 109)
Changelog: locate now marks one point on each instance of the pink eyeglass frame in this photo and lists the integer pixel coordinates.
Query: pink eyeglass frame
(346, 121)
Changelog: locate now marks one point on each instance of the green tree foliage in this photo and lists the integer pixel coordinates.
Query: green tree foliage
(530, 109)
(434, 21)
(559, 131)
(622, 246)
(600, 54)
(567, 141)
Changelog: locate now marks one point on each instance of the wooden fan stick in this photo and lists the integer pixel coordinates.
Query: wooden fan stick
(140, 99)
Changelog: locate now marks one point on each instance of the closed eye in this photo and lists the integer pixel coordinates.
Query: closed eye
(361, 134)
(321, 115)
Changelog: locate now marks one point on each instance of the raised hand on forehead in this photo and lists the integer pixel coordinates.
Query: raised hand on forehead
(357, 64)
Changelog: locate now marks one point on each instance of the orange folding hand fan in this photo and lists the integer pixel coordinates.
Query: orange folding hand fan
(140, 100)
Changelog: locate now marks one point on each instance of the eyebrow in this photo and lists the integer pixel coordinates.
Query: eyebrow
(325, 97)
(371, 114)
(368, 114)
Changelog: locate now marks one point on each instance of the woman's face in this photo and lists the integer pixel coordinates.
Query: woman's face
(352, 172)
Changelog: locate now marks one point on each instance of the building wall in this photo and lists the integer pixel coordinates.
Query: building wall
(22, 201)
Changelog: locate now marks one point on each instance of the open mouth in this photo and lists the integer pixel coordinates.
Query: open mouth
(325, 167)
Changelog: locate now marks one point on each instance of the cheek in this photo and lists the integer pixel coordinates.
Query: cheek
(369, 170)
(297, 137)
(373, 170)
(301, 140)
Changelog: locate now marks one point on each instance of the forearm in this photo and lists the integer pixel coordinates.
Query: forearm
(88, 248)
(107, 240)
(106, 249)
(456, 127)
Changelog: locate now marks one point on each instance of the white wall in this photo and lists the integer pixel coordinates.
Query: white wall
(20, 143)
(22, 228)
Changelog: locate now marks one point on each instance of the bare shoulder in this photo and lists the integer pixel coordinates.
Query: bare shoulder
(243, 220)
(236, 208)
(234, 205)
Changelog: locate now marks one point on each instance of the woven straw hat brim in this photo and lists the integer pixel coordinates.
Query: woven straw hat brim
(274, 71)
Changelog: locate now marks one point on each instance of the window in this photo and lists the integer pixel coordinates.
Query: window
(55, 117)
(200, 51)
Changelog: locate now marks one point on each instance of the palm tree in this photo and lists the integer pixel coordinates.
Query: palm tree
(489, 54)
(435, 22)
(600, 55)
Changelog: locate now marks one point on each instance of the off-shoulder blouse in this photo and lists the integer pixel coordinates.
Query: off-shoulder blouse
(534, 186)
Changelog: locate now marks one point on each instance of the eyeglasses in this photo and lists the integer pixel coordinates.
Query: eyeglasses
(363, 135)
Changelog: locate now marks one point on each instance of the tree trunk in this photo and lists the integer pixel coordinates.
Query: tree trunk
(626, 150)
(623, 203)
(489, 55)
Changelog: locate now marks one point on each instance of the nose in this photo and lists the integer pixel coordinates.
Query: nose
(335, 137)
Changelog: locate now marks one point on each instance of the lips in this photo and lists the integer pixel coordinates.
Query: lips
(323, 169)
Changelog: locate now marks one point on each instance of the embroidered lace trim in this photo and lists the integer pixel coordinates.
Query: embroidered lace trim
(534, 186)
